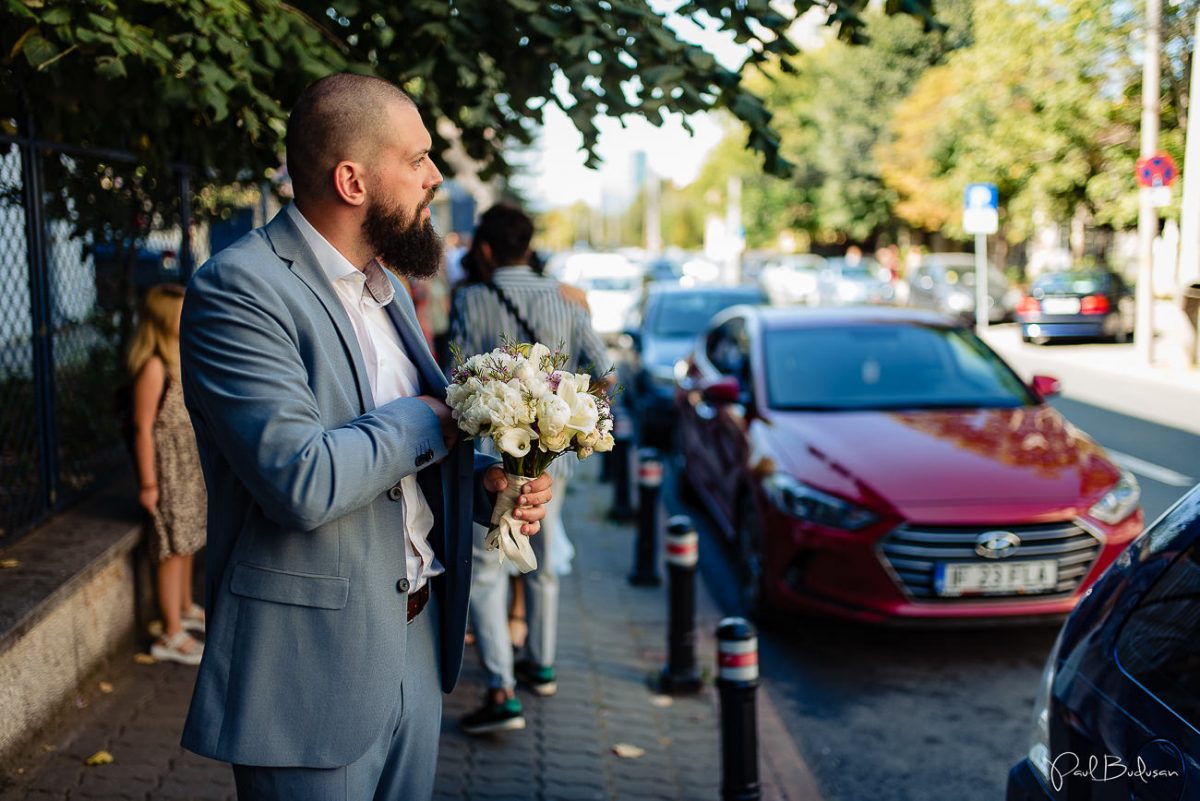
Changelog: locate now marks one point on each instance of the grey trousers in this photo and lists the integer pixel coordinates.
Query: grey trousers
(400, 764)
(489, 598)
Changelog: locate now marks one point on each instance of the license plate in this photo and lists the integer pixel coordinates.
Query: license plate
(999, 578)
(1060, 306)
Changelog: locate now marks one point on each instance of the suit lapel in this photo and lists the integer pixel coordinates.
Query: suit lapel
(290, 245)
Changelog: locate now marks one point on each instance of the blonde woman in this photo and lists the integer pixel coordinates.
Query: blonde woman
(172, 486)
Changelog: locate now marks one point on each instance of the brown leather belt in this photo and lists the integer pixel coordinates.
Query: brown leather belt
(417, 601)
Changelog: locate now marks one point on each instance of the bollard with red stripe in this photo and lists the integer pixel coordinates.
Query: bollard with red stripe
(650, 520)
(737, 683)
(620, 469)
(680, 675)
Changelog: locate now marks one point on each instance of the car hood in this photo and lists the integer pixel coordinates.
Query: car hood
(922, 459)
(665, 351)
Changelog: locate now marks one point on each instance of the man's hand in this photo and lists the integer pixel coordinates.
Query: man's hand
(531, 504)
(449, 427)
(573, 294)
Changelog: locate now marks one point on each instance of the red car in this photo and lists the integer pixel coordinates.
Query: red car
(886, 465)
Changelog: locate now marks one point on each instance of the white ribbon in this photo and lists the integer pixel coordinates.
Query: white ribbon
(505, 534)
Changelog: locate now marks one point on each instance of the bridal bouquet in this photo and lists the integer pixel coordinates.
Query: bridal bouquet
(535, 412)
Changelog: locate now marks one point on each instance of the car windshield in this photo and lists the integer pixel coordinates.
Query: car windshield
(685, 315)
(609, 283)
(1072, 283)
(886, 367)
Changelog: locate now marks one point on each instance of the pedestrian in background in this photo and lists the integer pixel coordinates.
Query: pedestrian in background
(504, 297)
(168, 466)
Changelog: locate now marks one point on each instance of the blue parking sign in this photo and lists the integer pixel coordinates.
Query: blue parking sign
(981, 209)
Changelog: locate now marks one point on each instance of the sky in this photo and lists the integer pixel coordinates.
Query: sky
(558, 177)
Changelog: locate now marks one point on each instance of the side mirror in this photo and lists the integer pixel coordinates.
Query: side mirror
(723, 391)
(630, 339)
(1046, 387)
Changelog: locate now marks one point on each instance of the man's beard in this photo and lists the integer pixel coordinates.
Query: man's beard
(408, 246)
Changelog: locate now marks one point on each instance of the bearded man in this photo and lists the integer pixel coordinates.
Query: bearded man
(340, 501)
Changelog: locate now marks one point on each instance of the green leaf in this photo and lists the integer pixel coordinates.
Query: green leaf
(38, 50)
(59, 15)
(110, 67)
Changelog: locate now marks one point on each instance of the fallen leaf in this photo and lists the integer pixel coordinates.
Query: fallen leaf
(106, 687)
(665, 741)
(144, 659)
(155, 628)
(661, 701)
(627, 751)
(99, 758)
(9, 564)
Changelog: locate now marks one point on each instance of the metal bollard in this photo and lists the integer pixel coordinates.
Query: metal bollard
(737, 681)
(621, 471)
(680, 674)
(650, 516)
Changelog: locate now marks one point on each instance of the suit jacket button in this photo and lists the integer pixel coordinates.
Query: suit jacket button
(428, 455)
(402, 585)
(395, 493)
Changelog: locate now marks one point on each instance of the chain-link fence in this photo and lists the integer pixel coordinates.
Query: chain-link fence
(82, 234)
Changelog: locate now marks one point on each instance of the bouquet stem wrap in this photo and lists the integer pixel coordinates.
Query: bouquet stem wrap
(505, 534)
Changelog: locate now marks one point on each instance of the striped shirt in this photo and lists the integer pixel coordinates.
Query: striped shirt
(478, 319)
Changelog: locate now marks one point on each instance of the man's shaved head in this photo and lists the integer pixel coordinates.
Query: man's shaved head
(336, 118)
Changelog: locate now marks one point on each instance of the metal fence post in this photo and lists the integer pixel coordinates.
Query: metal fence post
(680, 674)
(650, 515)
(737, 683)
(41, 318)
(622, 472)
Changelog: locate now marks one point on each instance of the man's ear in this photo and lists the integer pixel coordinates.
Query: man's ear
(349, 182)
(485, 250)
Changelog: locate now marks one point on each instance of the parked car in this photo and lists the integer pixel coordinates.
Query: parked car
(1078, 304)
(793, 280)
(945, 282)
(670, 320)
(885, 464)
(613, 285)
(845, 282)
(1117, 713)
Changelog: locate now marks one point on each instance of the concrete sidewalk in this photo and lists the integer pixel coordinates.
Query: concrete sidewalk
(612, 639)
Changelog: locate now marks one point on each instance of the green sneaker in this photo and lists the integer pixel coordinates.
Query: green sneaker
(538, 678)
(494, 717)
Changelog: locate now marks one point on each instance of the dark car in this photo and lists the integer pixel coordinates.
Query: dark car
(1117, 715)
(886, 465)
(671, 317)
(1077, 305)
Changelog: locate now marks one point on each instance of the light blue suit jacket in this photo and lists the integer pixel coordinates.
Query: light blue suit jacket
(304, 651)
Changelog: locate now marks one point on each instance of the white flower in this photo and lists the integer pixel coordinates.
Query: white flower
(584, 413)
(555, 443)
(525, 370)
(605, 443)
(582, 382)
(514, 441)
(583, 453)
(553, 414)
(538, 353)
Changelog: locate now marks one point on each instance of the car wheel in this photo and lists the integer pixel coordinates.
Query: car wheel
(750, 561)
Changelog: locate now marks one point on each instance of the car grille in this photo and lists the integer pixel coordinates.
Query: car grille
(912, 550)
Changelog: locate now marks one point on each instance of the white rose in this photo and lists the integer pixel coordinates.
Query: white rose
(605, 443)
(582, 382)
(553, 414)
(526, 370)
(583, 453)
(514, 441)
(584, 413)
(537, 387)
(555, 443)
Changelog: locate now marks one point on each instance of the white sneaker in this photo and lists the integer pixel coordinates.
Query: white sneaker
(181, 648)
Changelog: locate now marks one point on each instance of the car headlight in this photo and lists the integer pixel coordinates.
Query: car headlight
(960, 302)
(1039, 740)
(808, 503)
(1119, 502)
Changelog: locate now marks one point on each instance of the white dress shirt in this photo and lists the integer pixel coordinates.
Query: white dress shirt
(389, 370)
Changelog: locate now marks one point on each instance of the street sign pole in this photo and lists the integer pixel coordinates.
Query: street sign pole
(1147, 214)
(981, 284)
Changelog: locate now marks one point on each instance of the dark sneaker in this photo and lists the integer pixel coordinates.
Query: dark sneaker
(538, 678)
(493, 717)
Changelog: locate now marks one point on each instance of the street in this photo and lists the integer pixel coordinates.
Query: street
(891, 714)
